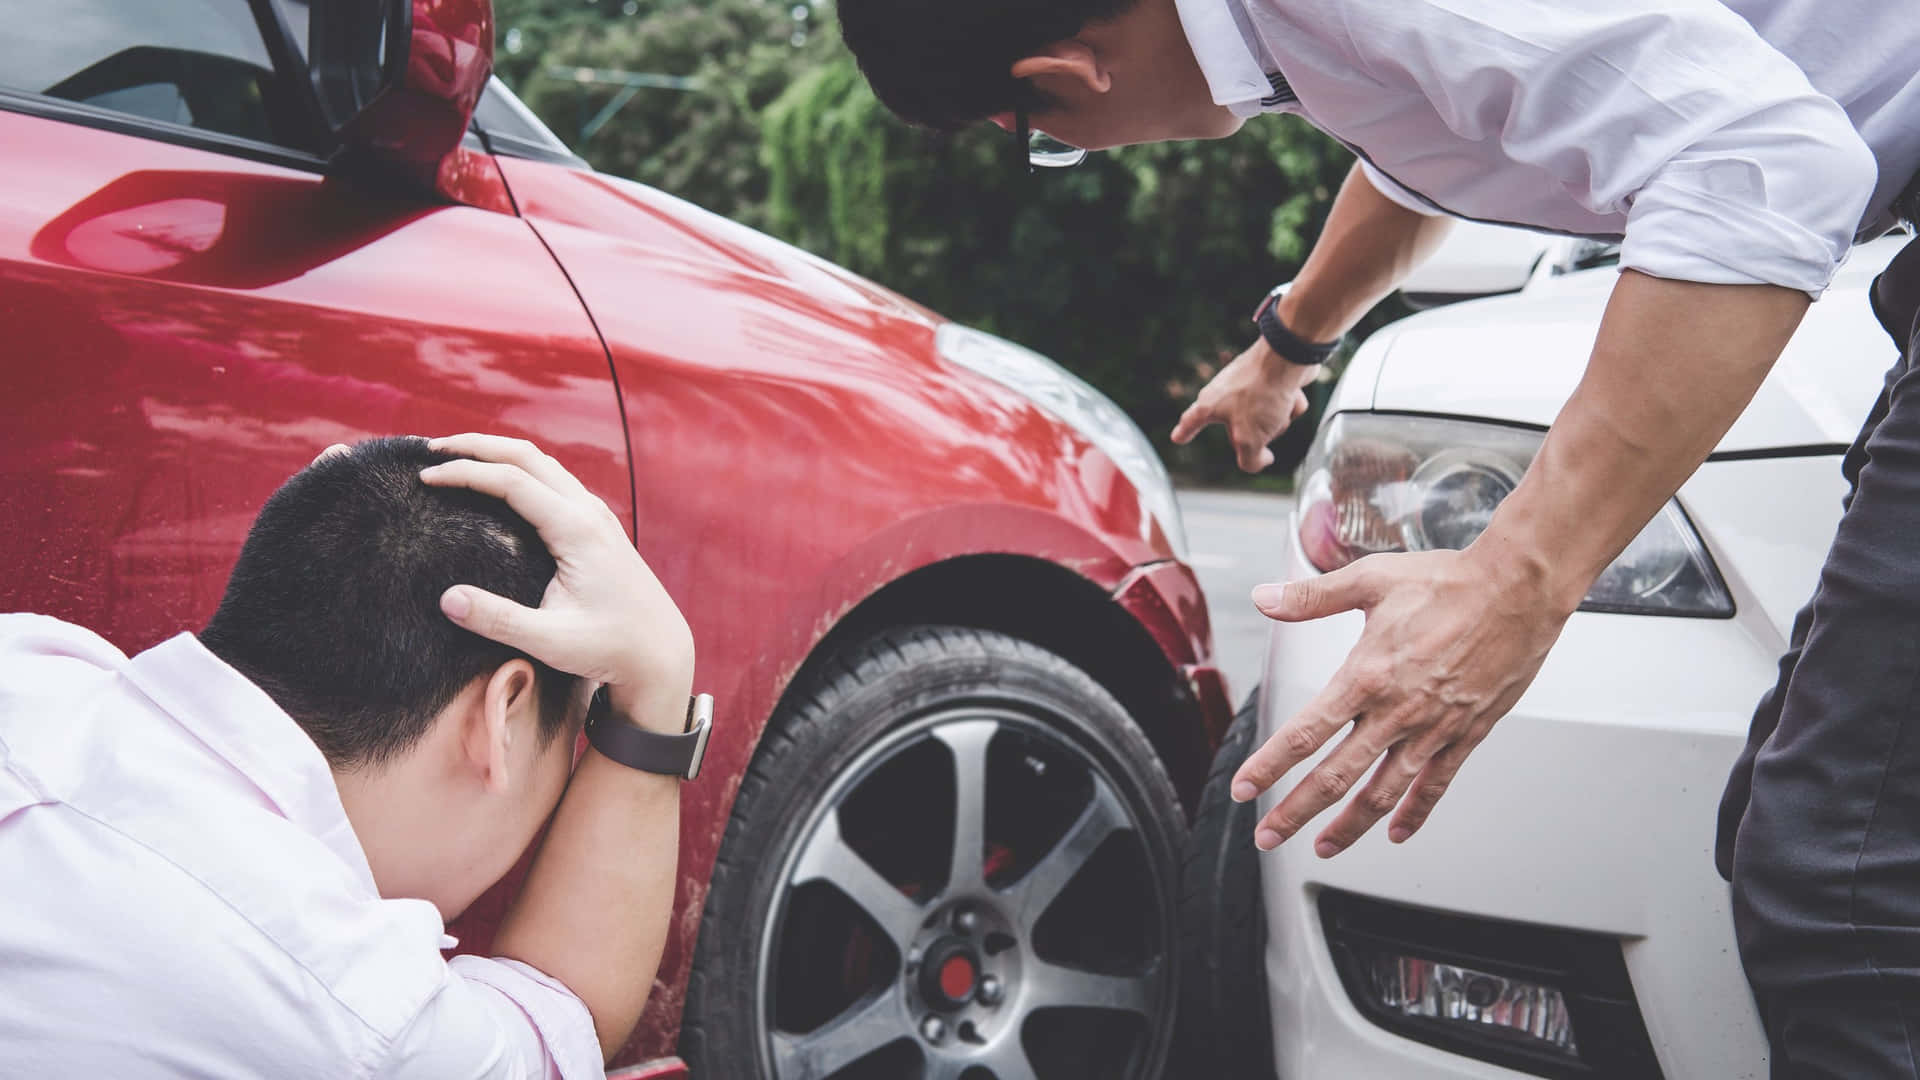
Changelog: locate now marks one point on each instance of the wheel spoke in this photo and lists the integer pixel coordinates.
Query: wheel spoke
(968, 742)
(1034, 893)
(862, 1029)
(828, 858)
(1053, 985)
(1010, 1062)
(943, 1068)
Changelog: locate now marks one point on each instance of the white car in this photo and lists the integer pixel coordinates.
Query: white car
(1560, 914)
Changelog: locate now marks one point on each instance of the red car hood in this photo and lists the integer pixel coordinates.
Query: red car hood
(635, 212)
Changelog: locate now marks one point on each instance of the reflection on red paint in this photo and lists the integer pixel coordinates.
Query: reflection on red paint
(185, 330)
(147, 238)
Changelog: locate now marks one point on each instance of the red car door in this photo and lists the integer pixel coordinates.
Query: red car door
(190, 309)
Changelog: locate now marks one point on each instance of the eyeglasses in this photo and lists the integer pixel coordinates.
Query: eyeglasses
(1041, 149)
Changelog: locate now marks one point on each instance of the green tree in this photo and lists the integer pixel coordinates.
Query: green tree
(702, 143)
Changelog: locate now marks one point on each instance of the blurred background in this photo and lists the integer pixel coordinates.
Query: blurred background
(1139, 269)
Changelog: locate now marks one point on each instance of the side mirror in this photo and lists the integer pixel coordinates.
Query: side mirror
(396, 81)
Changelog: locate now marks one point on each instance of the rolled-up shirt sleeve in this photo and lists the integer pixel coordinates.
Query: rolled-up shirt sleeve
(1726, 164)
(496, 1019)
(1773, 198)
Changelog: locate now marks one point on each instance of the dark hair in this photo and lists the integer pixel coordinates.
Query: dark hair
(334, 605)
(944, 64)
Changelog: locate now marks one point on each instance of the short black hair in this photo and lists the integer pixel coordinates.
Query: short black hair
(944, 64)
(333, 608)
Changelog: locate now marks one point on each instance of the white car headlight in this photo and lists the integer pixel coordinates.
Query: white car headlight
(1072, 401)
(1376, 482)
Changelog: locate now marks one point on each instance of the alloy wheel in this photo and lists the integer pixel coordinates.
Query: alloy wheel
(969, 900)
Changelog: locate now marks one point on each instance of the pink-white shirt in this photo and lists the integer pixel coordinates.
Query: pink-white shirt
(181, 894)
(1727, 141)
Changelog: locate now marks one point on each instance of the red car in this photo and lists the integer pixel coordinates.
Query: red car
(964, 677)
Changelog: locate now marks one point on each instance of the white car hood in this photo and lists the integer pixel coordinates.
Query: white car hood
(1516, 358)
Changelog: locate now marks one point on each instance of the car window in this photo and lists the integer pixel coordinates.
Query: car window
(513, 130)
(192, 63)
(296, 14)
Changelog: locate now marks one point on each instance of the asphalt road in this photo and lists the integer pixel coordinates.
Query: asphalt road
(1236, 540)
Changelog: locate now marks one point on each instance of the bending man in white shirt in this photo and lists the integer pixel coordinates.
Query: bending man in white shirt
(1737, 148)
(233, 855)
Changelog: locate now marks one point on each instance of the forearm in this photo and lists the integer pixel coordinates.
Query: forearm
(1369, 245)
(1674, 364)
(594, 910)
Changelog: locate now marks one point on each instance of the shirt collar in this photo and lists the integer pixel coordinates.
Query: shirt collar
(237, 720)
(1233, 73)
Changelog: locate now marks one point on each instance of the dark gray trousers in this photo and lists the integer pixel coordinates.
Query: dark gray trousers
(1820, 823)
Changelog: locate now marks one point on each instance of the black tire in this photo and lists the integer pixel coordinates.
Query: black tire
(1225, 1029)
(817, 762)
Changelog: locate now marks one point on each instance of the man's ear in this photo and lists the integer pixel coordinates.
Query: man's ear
(1065, 69)
(508, 701)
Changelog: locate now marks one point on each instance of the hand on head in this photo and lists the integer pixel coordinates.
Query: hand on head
(605, 617)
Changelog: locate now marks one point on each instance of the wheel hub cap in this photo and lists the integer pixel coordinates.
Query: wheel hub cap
(949, 975)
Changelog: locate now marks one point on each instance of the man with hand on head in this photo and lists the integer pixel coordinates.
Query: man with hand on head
(233, 855)
(1737, 149)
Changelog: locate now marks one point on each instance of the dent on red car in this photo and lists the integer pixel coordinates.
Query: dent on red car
(797, 445)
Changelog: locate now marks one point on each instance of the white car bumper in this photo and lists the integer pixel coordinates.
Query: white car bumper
(1591, 807)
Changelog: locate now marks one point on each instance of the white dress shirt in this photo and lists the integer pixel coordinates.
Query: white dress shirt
(181, 894)
(1745, 141)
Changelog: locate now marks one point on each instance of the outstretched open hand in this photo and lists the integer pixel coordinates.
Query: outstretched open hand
(1451, 642)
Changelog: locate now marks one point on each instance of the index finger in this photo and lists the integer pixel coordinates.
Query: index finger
(506, 450)
(1296, 741)
(1191, 423)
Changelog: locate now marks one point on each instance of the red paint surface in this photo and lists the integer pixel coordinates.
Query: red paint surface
(183, 330)
(1166, 598)
(470, 177)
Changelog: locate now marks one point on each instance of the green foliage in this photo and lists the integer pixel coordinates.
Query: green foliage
(1138, 269)
(701, 144)
(834, 200)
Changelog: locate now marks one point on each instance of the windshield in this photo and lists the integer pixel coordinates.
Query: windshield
(512, 129)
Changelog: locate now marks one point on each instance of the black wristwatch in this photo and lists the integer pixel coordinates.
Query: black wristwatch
(1291, 347)
(651, 751)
